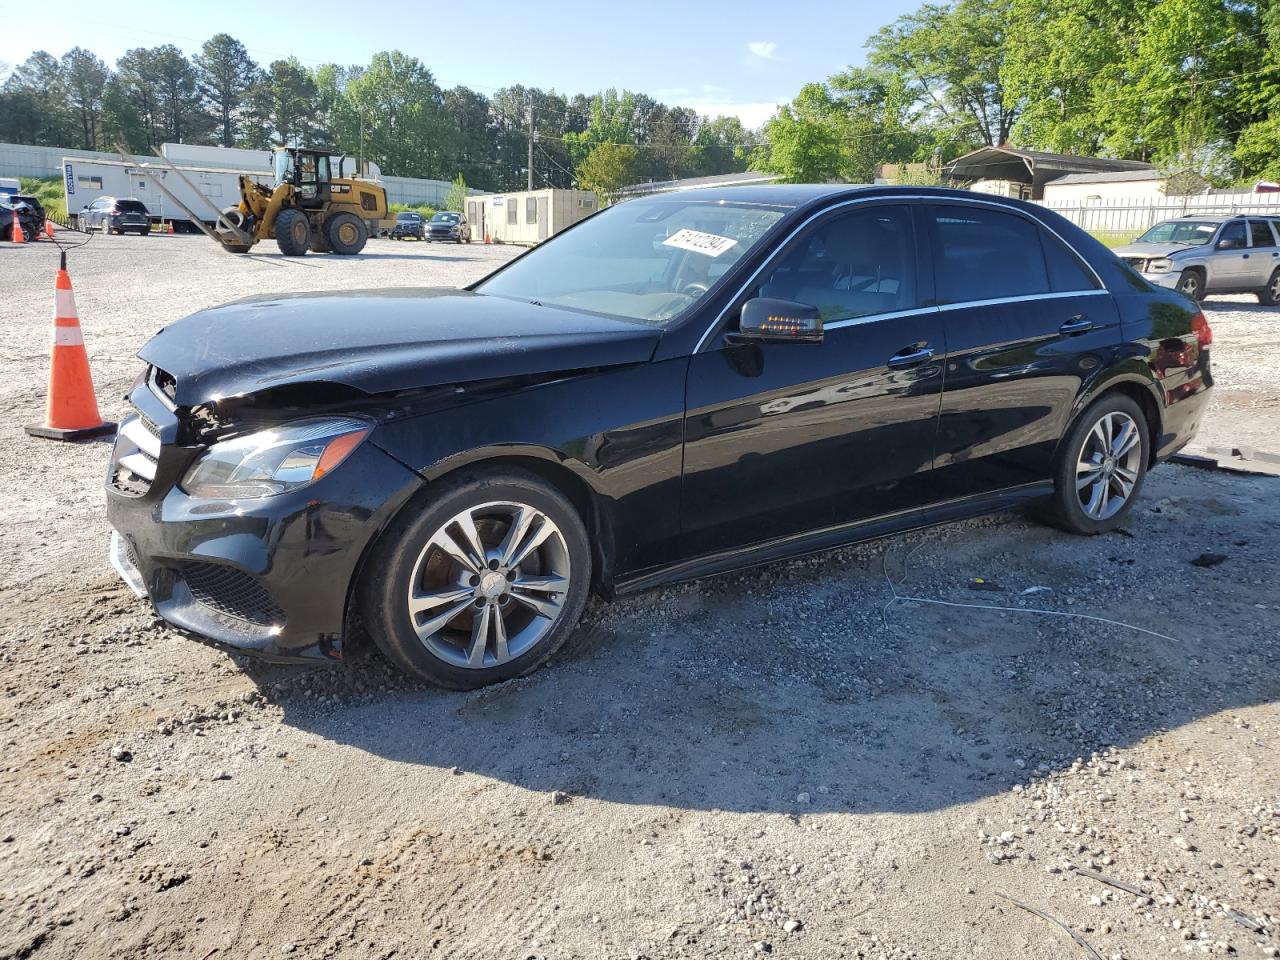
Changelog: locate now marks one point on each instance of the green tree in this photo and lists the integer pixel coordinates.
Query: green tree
(803, 140)
(226, 73)
(608, 168)
(949, 58)
(179, 107)
(39, 81)
(1176, 98)
(456, 198)
(400, 103)
(86, 78)
(284, 103)
(721, 145)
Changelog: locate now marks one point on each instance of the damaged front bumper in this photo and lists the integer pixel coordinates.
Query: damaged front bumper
(269, 576)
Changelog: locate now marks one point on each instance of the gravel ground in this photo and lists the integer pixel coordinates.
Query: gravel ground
(782, 762)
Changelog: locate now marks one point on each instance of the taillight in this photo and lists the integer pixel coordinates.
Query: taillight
(1200, 327)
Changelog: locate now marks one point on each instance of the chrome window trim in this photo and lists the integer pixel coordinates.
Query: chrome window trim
(1022, 299)
(962, 201)
(871, 317)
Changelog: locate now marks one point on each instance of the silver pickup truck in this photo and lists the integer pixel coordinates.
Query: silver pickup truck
(1198, 256)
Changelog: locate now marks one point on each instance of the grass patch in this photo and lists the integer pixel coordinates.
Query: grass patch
(426, 212)
(1113, 238)
(48, 190)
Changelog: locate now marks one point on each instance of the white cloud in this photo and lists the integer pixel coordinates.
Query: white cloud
(765, 49)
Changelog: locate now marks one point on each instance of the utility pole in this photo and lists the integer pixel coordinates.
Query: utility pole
(530, 138)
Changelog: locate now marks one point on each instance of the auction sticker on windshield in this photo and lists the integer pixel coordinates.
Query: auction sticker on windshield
(709, 244)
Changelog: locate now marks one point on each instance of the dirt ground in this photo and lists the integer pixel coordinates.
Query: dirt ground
(782, 762)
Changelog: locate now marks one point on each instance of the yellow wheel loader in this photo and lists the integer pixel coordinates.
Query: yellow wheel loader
(306, 209)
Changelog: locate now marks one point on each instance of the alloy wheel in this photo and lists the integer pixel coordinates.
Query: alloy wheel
(1275, 287)
(1190, 286)
(489, 584)
(1109, 465)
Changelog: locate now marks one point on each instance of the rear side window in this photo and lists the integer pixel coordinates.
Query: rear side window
(1066, 272)
(1261, 233)
(986, 255)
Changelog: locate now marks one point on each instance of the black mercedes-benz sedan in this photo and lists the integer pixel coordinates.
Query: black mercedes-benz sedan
(680, 385)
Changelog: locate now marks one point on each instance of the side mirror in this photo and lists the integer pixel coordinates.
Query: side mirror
(1226, 244)
(780, 321)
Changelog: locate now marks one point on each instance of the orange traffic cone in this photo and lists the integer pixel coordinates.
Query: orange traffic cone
(171, 230)
(486, 235)
(16, 234)
(48, 229)
(72, 410)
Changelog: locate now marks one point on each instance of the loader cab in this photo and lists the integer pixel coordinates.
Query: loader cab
(308, 171)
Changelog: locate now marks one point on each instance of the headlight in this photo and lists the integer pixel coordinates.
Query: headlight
(272, 461)
(1162, 265)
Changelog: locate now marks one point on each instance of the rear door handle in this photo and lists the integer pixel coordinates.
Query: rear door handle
(1077, 324)
(911, 356)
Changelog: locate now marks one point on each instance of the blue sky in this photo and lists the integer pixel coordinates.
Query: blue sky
(741, 58)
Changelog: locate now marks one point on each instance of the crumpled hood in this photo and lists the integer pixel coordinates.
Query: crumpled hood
(1149, 250)
(378, 341)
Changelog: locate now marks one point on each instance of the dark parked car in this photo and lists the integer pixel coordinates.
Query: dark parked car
(30, 217)
(680, 385)
(409, 224)
(116, 216)
(447, 225)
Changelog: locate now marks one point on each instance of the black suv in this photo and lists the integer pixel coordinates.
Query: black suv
(408, 224)
(115, 216)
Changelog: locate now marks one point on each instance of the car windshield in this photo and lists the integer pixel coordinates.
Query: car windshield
(1193, 232)
(407, 216)
(644, 260)
(445, 218)
(130, 206)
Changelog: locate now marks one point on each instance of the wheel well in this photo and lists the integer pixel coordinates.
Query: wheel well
(1150, 409)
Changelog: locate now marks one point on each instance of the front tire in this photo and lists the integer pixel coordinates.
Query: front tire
(1191, 285)
(482, 584)
(1269, 296)
(1101, 466)
(293, 232)
(346, 234)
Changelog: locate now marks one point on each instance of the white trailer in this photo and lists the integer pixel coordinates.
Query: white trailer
(527, 216)
(84, 181)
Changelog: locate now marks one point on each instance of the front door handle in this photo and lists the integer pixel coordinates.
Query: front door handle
(911, 356)
(1077, 324)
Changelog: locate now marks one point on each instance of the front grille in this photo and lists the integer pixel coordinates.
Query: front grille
(139, 446)
(232, 593)
(136, 456)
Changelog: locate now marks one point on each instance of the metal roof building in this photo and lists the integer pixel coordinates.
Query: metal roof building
(746, 178)
(1030, 170)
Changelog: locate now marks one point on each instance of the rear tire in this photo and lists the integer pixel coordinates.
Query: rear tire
(478, 620)
(1269, 296)
(1101, 466)
(346, 234)
(293, 232)
(1191, 285)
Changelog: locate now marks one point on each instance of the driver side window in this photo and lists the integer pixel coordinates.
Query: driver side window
(1232, 236)
(854, 265)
